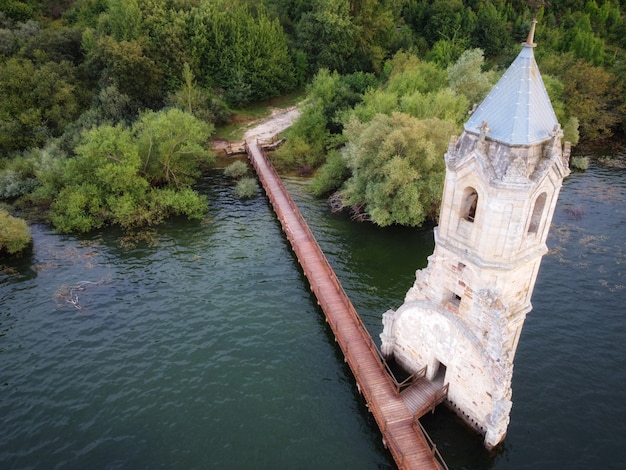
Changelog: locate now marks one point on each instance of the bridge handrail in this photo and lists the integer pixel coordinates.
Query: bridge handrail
(381, 359)
(335, 325)
(414, 377)
(432, 445)
(306, 227)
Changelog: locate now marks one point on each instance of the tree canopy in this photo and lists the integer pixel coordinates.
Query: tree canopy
(396, 166)
(127, 75)
(133, 177)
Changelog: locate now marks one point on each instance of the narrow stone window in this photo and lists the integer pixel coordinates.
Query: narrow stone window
(470, 201)
(455, 299)
(535, 219)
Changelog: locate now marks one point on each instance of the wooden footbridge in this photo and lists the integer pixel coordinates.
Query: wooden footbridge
(395, 406)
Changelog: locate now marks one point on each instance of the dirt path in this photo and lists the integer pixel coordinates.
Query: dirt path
(265, 129)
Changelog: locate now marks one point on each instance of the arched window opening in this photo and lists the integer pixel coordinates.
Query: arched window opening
(470, 201)
(535, 219)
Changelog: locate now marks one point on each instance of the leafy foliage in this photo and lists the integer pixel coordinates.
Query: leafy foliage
(329, 96)
(202, 103)
(14, 234)
(171, 145)
(245, 55)
(331, 175)
(467, 78)
(246, 187)
(134, 177)
(36, 102)
(13, 185)
(579, 163)
(236, 169)
(590, 93)
(397, 167)
(328, 36)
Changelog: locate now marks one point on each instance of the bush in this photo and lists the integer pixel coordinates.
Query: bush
(13, 184)
(579, 163)
(14, 233)
(331, 175)
(236, 170)
(132, 177)
(246, 188)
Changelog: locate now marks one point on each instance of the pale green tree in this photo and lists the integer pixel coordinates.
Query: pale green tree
(397, 167)
(172, 147)
(466, 76)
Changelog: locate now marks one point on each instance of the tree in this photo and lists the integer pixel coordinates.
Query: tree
(244, 55)
(124, 19)
(376, 22)
(126, 65)
(36, 102)
(467, 78)
(328, 36)
(202, 103)
(443, 104)
(397, 167)
(445, 19)
(584, 43)
(319, 127)
(590, 93)
(407, 74)
(491, 32)
(171, 146)
(133, 177)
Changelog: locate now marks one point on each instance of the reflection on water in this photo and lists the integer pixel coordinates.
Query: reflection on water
(200, 346)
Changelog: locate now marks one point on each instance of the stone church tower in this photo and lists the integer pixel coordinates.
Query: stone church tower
(464, 314)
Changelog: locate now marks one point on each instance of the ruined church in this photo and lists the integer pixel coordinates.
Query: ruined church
(463, 316)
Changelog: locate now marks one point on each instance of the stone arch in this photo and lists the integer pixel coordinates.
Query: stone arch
(425, 335)
(537, 214)
(469, 204)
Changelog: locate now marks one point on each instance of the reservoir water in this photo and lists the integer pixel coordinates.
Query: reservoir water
(200, 346)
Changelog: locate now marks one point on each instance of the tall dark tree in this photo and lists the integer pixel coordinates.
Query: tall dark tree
(328, 36)
(491, 32)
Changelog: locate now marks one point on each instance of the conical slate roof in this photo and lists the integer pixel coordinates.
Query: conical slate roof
(518, 110)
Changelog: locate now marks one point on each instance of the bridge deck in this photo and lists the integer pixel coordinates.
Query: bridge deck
(402, 435)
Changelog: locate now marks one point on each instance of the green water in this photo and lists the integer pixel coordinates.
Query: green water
(203, 348)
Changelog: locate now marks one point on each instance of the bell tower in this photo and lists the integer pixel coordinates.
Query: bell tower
(464, 314)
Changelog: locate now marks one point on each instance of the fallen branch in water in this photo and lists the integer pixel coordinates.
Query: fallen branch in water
(69, 294)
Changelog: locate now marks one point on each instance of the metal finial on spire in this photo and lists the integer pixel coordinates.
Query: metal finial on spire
(531, 34)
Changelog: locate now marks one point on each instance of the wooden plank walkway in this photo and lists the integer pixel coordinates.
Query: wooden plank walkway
(402, 433)
(424, 395)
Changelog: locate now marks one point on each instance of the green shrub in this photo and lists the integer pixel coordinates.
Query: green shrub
(132, 177)
(331, 175)
(246, 188)
(236, 170)
(13, 184)
(14, 233)
(579, 163)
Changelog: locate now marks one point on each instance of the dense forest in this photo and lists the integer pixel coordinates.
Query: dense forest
(107, 106)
